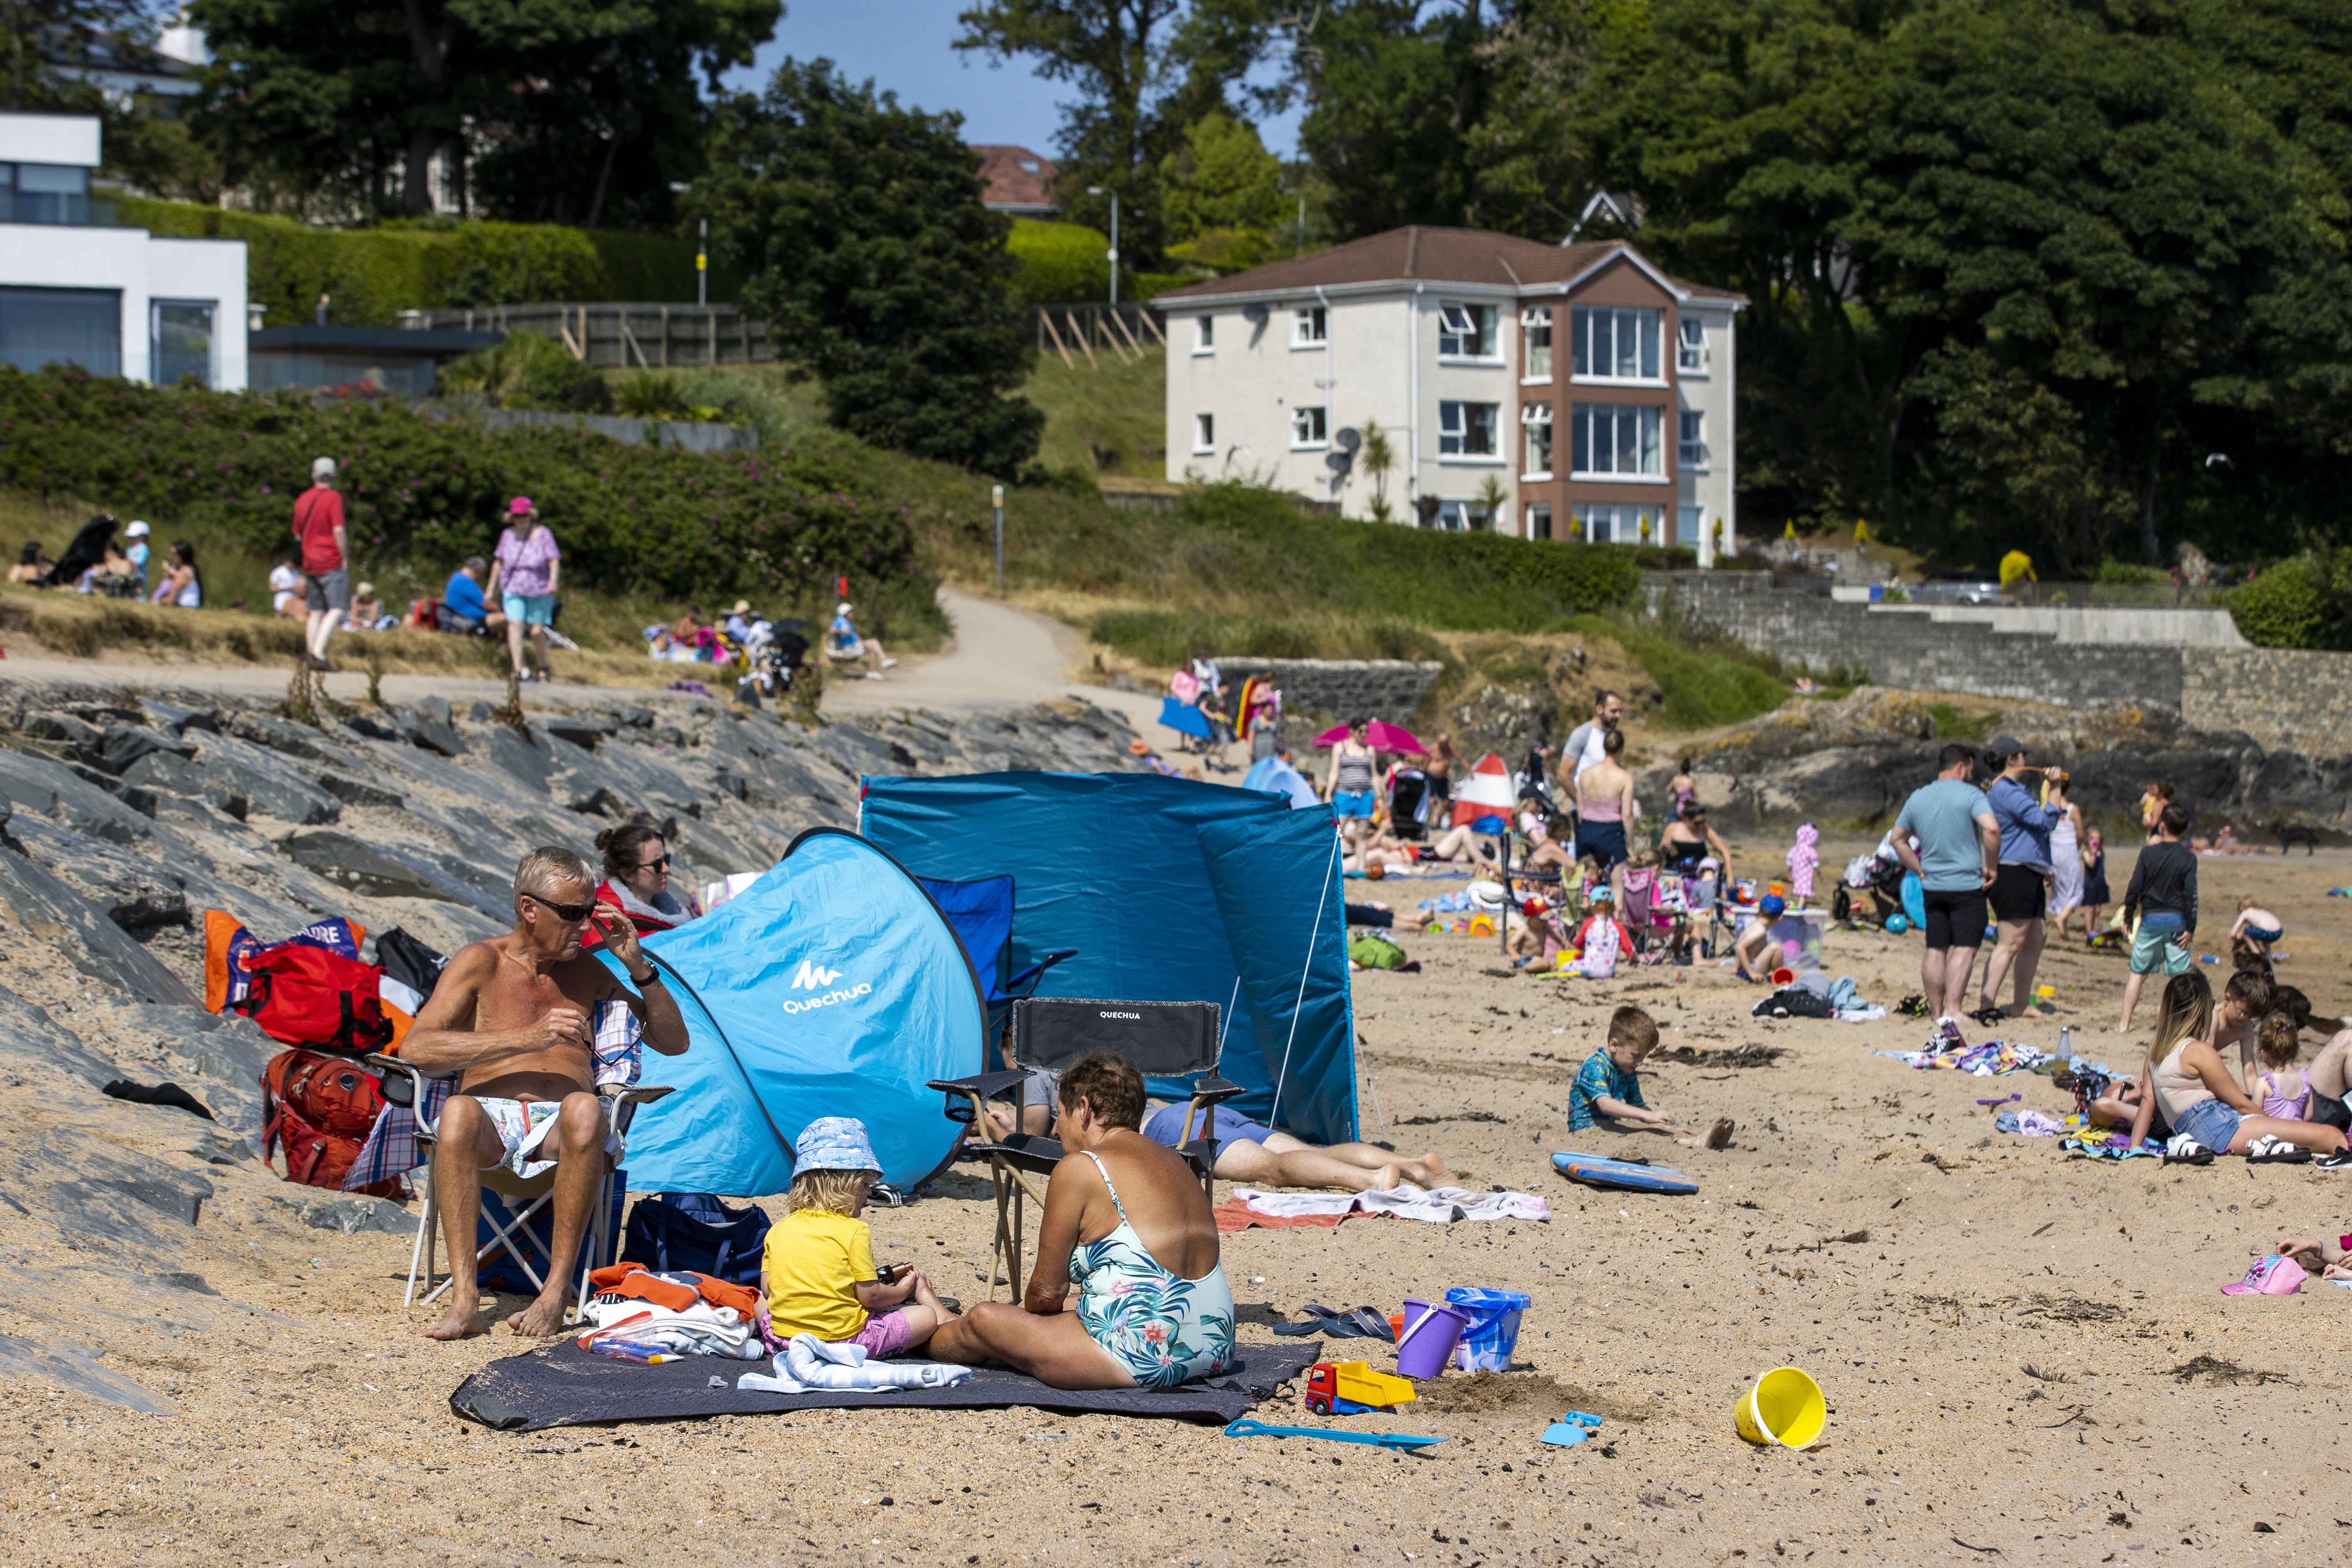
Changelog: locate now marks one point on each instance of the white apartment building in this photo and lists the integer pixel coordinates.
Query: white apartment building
(75, 289)
(1550, 391)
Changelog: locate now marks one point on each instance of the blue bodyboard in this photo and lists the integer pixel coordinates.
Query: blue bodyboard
(1600, 1171)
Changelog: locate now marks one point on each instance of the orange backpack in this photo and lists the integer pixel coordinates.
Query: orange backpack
(320, 1110)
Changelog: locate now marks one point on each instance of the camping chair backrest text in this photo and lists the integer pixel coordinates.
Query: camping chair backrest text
(1161, 1039)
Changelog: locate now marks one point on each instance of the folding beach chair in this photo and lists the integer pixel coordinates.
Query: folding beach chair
(1162, 1039)
(982, 914)
(406, 1086)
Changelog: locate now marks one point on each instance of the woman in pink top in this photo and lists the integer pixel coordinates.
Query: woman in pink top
(525, 568)
(1604, 798)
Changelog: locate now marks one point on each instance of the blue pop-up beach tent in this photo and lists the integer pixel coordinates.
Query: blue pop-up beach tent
(1170, 891)
(832, 987)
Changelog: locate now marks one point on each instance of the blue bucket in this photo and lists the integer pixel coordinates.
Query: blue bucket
(1494, 1330)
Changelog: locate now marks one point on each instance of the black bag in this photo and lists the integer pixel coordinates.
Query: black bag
(2328, 1112)
(696, 1231)
(1795, 1001)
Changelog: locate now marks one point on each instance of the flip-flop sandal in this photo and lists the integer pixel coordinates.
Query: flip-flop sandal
(2268, 1150)
(2186, 1150)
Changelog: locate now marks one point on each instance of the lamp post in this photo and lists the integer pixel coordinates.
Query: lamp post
(1101, 191)
(997, 499)
(702, 265)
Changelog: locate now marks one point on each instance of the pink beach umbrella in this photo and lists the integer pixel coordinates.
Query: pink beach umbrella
(1381, 735)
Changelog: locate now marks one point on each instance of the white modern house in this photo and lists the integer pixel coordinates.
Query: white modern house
(76, 289)
(1547, 391)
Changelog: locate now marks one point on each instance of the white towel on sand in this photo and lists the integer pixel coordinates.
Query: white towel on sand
(1442, 1205)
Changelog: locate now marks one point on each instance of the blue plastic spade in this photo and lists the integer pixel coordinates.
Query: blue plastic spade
(1248, 1428)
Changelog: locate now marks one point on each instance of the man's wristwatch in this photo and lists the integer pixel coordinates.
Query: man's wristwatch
(650, 977)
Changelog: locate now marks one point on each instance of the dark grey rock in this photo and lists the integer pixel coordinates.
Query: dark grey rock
(385, 871)
(635, 716)
(175, 1195)
(351, 792)
(582, 730)
(374, 726)
(267, 781)
(47, 788)
(352, 1216)
(63, 727)
(532, 761)
(48, 909)
(135, 889)
(168, 773)
(279, 734)
(171, 716)
(436, 709)
(480, 713)
(77, 1370)
(437, 735)
(30, 1038)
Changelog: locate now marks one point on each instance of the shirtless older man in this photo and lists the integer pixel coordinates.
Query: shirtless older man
(520, 1018)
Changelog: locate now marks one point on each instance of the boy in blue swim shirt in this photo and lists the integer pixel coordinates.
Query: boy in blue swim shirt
(1609, 1084)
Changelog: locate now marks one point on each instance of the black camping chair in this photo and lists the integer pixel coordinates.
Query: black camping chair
(1162, 1039)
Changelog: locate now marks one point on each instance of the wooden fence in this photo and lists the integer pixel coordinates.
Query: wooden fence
(1129, 332)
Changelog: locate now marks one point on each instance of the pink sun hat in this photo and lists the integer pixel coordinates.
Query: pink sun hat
(518, 507)
(2273, 1276)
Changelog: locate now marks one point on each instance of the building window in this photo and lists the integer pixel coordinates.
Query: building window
(1617, 438)
(1537, 323)
(1615, 345)
(1690, 444)
(180, 341)
(1309, 326)
(1204, 334)
(1461, 517)
(1306, 428)
(62, 326)
(1465, 332)
(1609, 524)
(1204, 432)
(1538, 520)
(45, 192)
(1690, 345)
(1466, 429)
(1535, 429)
(1692, 524)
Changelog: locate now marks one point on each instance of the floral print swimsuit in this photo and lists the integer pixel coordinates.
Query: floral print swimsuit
(1163, 1327)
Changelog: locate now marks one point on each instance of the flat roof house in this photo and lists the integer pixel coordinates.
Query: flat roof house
(117, 301)
(1593, 391)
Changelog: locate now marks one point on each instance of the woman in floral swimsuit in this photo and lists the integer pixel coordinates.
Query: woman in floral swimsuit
(1128, 1229)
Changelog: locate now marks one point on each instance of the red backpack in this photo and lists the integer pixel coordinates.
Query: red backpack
(320, 1110)
(309, 996)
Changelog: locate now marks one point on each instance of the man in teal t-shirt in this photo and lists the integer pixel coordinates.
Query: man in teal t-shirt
(1959, 853)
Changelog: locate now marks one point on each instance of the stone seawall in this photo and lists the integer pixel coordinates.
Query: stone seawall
(1389, 689)
(2282, 698)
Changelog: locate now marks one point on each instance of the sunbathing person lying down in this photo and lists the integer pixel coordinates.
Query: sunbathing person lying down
(1250, 1152)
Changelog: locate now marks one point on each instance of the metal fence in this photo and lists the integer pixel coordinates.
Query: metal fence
(620, 336)
(1127, 333)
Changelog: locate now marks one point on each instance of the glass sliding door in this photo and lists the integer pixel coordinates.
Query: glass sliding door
(180, 341)
(62, 326)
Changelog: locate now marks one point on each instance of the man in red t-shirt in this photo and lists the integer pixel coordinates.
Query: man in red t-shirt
(326, 571)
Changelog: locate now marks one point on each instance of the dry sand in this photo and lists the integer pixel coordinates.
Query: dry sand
(2011, 1359)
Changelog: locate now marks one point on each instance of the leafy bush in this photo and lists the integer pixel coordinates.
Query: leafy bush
(2129, 574)
(1706, 681)
(415, 487)
(1172, 636)
(2299, 602)
(527, 371)
(1061, 263)
(372, 275)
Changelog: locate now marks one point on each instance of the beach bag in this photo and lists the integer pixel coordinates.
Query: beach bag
(231, 951)
(309, 996)
(1795, 1002)
(1369, 950)
(695, 1231)
(319, 1109)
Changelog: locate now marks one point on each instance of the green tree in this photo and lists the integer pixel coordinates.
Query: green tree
(875, 265)
(1222, 177)
(580, 111)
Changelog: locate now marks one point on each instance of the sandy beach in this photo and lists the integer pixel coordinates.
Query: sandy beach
(2026, 1357)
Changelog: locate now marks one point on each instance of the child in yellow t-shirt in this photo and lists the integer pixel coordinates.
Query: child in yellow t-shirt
(818, 1270)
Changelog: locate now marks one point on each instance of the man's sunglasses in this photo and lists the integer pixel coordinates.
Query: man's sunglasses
(658, 863)
(570, 914)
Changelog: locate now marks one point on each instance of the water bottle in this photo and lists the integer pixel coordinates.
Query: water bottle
(2066, 1045)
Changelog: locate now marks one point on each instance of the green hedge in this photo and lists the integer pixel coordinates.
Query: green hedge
(434, 490)
(372, 275)
(2304, 602)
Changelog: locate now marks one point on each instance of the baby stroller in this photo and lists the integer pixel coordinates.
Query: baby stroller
(1871, 890)
(1409, 804)
(774, 653)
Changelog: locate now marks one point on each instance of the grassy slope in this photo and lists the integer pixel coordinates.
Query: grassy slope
(1229, 572)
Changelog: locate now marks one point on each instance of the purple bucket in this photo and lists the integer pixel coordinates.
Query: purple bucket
(1426, 1342)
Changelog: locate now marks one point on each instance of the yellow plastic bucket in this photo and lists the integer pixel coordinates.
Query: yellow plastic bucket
(1784, 1409)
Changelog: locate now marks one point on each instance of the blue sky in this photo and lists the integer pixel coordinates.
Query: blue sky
(903, 44)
